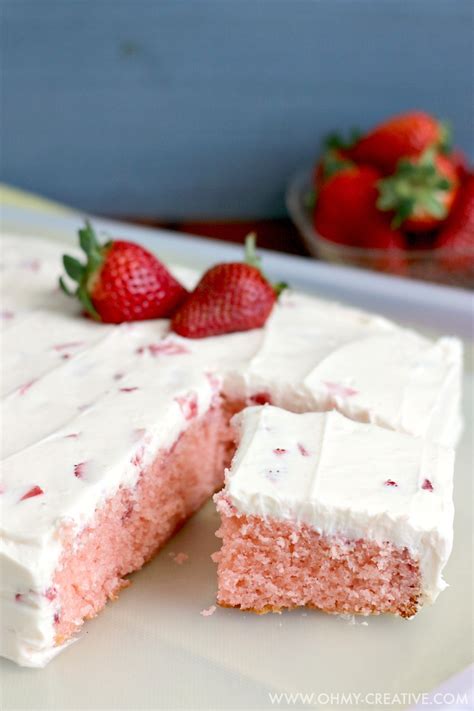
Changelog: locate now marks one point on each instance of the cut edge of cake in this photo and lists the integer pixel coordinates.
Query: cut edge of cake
(91, 564)
(285, 502)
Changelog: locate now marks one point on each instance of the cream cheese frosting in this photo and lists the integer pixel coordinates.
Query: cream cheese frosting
(77, 392)
(345, 478)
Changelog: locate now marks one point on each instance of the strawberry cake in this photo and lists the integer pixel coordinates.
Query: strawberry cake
(308, 518)
(102, 426)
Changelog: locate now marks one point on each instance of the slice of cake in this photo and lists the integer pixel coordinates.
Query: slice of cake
(322, 511)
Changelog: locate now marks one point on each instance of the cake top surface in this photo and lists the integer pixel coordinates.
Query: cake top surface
(79, 399)
(291, 465)
(346, 479)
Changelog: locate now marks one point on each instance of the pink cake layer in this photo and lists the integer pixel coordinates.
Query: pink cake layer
(130, 528)
(267, 564)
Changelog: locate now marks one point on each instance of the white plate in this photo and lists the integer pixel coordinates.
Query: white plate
(153, 649)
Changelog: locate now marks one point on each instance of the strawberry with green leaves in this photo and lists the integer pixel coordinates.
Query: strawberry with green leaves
(335, 157)
(420, 193)
(229, 297)
(121, 281)
(346, 211)
(332, 162)
(407, 135)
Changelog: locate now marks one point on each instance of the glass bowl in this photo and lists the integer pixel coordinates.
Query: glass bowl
(436, 265)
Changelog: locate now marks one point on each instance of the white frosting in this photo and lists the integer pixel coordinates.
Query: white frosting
(346, 478)
(120, 388)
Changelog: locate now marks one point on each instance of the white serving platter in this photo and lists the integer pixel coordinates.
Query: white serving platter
(152, 649)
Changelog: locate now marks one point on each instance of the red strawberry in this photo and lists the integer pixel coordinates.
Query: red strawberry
(457, 235)
(346, 213)
(229, 297)
(420, 193)
(460, 163)
(343, 203)
(334, 158)
(407, 135)
(388, 248)
(121, 281)
(332, 161)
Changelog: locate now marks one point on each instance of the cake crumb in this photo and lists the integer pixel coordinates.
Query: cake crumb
(209, 611)
(179, 558)
(352, 619)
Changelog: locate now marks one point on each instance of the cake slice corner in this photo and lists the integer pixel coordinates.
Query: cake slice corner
(324, 512)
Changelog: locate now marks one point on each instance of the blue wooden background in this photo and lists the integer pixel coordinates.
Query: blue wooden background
(204, 108)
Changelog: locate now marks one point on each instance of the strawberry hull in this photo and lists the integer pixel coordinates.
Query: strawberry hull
(420, 193)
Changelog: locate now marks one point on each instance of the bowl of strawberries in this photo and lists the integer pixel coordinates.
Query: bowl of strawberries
(397, 199)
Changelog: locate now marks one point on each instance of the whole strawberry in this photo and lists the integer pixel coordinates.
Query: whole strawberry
(334, 158)
(421, 192)
(343, 201)
(407, 135)
(121, 281)
(346, 213)
(457, 236)
(229, 297)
